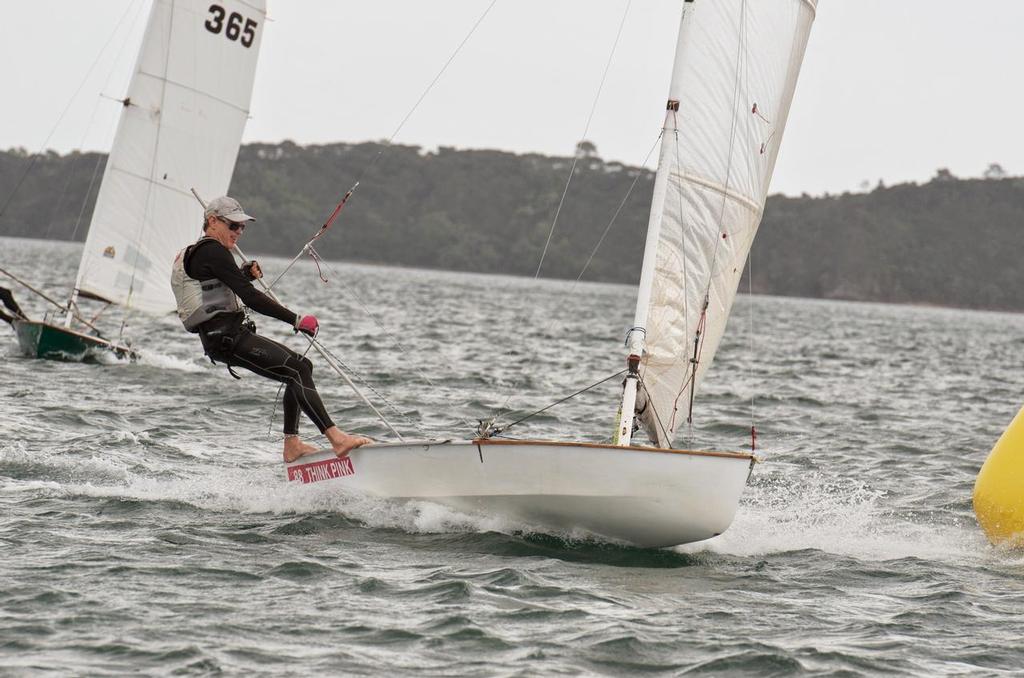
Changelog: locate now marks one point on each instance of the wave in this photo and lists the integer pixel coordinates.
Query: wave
(841, 516)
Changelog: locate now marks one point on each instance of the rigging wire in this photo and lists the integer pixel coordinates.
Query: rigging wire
(586, 130)
(308, 247)
(364, 172)
(88, 192)
(572, 171)
(362, 381)
(328, 358)
(441, 72)
(557, 402)
(390, 140)
(387, 333)
(608, 228)
(388, 403)
(555, 314)
(38, 154)
(88, 128)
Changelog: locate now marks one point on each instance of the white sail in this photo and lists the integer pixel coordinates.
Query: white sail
(181, 126)
(735, 71)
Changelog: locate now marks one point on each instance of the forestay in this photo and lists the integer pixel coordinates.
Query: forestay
(181, 126)
(735, 71)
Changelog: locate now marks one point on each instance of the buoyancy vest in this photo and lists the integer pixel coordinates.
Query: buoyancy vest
(199, 300)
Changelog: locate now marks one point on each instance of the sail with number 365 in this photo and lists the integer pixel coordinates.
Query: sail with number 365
(181, 125)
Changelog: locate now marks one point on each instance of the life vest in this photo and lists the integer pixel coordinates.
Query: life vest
(199, 300)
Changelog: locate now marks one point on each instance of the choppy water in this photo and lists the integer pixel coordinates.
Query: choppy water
(147, 525)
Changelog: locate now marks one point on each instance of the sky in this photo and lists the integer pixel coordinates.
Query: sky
(891, 90)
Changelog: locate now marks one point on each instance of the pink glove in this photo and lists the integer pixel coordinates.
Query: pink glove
(308, 324)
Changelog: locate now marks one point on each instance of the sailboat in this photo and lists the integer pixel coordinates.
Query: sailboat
(181, 125)
(735, 71)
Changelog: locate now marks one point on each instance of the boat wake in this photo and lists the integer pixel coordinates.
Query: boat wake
(259, 489)
(841, 516)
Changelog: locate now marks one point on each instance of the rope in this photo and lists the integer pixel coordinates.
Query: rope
(586, 130)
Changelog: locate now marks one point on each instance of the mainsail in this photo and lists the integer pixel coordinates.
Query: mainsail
(736, 68)
(181, 125)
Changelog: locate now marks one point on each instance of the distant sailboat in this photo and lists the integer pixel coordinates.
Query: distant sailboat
(181, 125)
(736, 68)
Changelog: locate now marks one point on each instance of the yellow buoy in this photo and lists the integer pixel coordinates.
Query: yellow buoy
(999, 489)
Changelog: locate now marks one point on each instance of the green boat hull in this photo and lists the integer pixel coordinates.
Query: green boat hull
(50, 342)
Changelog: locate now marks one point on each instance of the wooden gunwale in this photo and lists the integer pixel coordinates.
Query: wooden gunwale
(624, 448)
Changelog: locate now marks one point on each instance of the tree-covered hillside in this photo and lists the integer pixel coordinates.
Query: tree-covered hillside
(949, 241)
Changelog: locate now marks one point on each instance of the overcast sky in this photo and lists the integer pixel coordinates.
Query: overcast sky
(890, 89)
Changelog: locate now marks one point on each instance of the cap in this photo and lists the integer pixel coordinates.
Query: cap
(227, 208)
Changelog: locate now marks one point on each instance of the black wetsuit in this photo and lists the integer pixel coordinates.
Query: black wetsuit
(226, 338)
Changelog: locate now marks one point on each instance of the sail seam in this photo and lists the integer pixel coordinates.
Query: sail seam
(193, 90)
(721, 189)
(150, 180)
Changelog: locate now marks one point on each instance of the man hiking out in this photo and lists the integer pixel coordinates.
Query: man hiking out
(210, 290)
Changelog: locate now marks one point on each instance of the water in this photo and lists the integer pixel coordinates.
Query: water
(147, 525)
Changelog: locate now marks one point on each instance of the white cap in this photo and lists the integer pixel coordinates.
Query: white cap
(227, 208)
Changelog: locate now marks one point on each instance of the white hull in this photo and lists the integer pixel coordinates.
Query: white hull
(644, 496)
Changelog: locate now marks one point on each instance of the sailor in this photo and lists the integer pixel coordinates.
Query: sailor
(210, 290)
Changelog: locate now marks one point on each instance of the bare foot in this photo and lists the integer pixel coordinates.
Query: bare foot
(294, 448)
(343, 443)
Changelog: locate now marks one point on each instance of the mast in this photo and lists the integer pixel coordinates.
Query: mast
(636, 340)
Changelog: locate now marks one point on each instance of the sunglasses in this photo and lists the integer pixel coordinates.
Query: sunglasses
(233, 226)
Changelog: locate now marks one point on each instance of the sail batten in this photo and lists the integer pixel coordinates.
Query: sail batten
(735, 72)
(186, 108)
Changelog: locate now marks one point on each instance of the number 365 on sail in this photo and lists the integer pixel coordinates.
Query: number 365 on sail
(231, 25)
